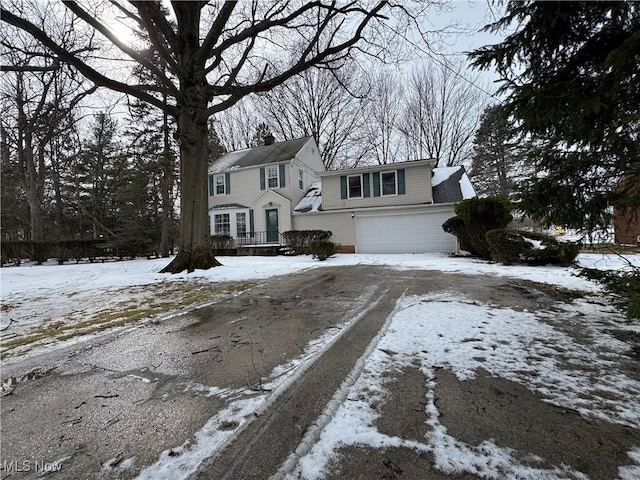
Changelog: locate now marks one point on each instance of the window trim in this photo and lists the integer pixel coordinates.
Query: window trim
(267, 170)
(349, 177)
(238, 223)
(216, 177)
(221, 223)
(395, 183)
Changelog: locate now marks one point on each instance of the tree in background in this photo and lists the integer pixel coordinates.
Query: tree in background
(235, 125)
(215, 55)
(323, 104)
(571, 75)
(260, 132)
(152, 165)
(497, 160)
(382, 108)
(442, 112)
(14, 212)
(39, 96)
(216, 148)
(99, 171)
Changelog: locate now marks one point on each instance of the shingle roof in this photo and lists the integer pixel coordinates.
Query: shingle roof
(263, 155)
(225, 206)
(451, 184)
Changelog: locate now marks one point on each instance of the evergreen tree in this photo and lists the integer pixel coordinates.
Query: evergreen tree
(98, 171)
(571, 73)
(496, 159)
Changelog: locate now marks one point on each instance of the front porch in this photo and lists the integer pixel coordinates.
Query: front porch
(269, 243)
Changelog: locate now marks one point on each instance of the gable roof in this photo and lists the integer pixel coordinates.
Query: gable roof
(262, 155)
(451, 184)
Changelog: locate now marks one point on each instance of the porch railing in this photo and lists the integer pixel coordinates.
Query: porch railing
(259, 238)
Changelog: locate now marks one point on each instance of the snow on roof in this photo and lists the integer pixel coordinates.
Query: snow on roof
(440, 174)
(312, 201)
(466, 187)
(451, 184)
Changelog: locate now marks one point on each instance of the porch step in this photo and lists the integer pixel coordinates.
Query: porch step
(262, 250)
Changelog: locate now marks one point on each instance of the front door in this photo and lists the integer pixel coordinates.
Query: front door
(272, 226)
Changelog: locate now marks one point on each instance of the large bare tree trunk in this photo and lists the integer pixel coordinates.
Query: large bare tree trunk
(195, 250)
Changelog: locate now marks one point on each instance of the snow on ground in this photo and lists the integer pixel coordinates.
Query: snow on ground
(434, 339)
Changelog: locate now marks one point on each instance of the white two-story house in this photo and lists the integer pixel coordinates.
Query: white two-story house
(256, 194)
(252, 192)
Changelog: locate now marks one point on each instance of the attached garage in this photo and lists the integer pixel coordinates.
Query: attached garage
(404, 233)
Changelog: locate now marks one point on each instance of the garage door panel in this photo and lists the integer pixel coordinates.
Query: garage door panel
(414, 233)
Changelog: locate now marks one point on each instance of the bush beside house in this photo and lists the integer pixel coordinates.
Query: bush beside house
(512, 246)
(299, 241)
(474, 218)
(323, 249)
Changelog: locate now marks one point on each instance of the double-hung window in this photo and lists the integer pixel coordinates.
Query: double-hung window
(220, 184)
(241, 224)
(273, 178)
(301, 179)
(221, 224)
(388, 183)
(355, 186)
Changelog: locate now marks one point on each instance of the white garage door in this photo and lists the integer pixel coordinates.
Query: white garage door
(414, 233)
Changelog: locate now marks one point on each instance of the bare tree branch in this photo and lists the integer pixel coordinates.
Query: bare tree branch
(89, 72)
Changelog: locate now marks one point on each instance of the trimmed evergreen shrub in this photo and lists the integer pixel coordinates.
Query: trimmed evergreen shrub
(323, 249)
(474, 218)
(506, 245)
(299, 241)
(513, 246)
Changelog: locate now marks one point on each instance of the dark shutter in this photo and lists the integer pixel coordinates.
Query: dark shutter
(366, 187)
(401, 187)
(376, 184)
(283, 181)
(251, 225)
(343, 187)
(227, 183)
(211, 186)
(262, 180)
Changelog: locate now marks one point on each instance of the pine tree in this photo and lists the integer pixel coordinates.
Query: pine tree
(98, 171)
(571, 74)
(496, 160)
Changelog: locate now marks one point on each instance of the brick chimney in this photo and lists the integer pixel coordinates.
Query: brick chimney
(269, 139)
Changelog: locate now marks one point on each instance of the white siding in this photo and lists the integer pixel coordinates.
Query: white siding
(341, 224)
(417, 188)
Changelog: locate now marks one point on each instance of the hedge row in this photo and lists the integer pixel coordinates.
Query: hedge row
(299, 241)
(514, 246)
(66, 250)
